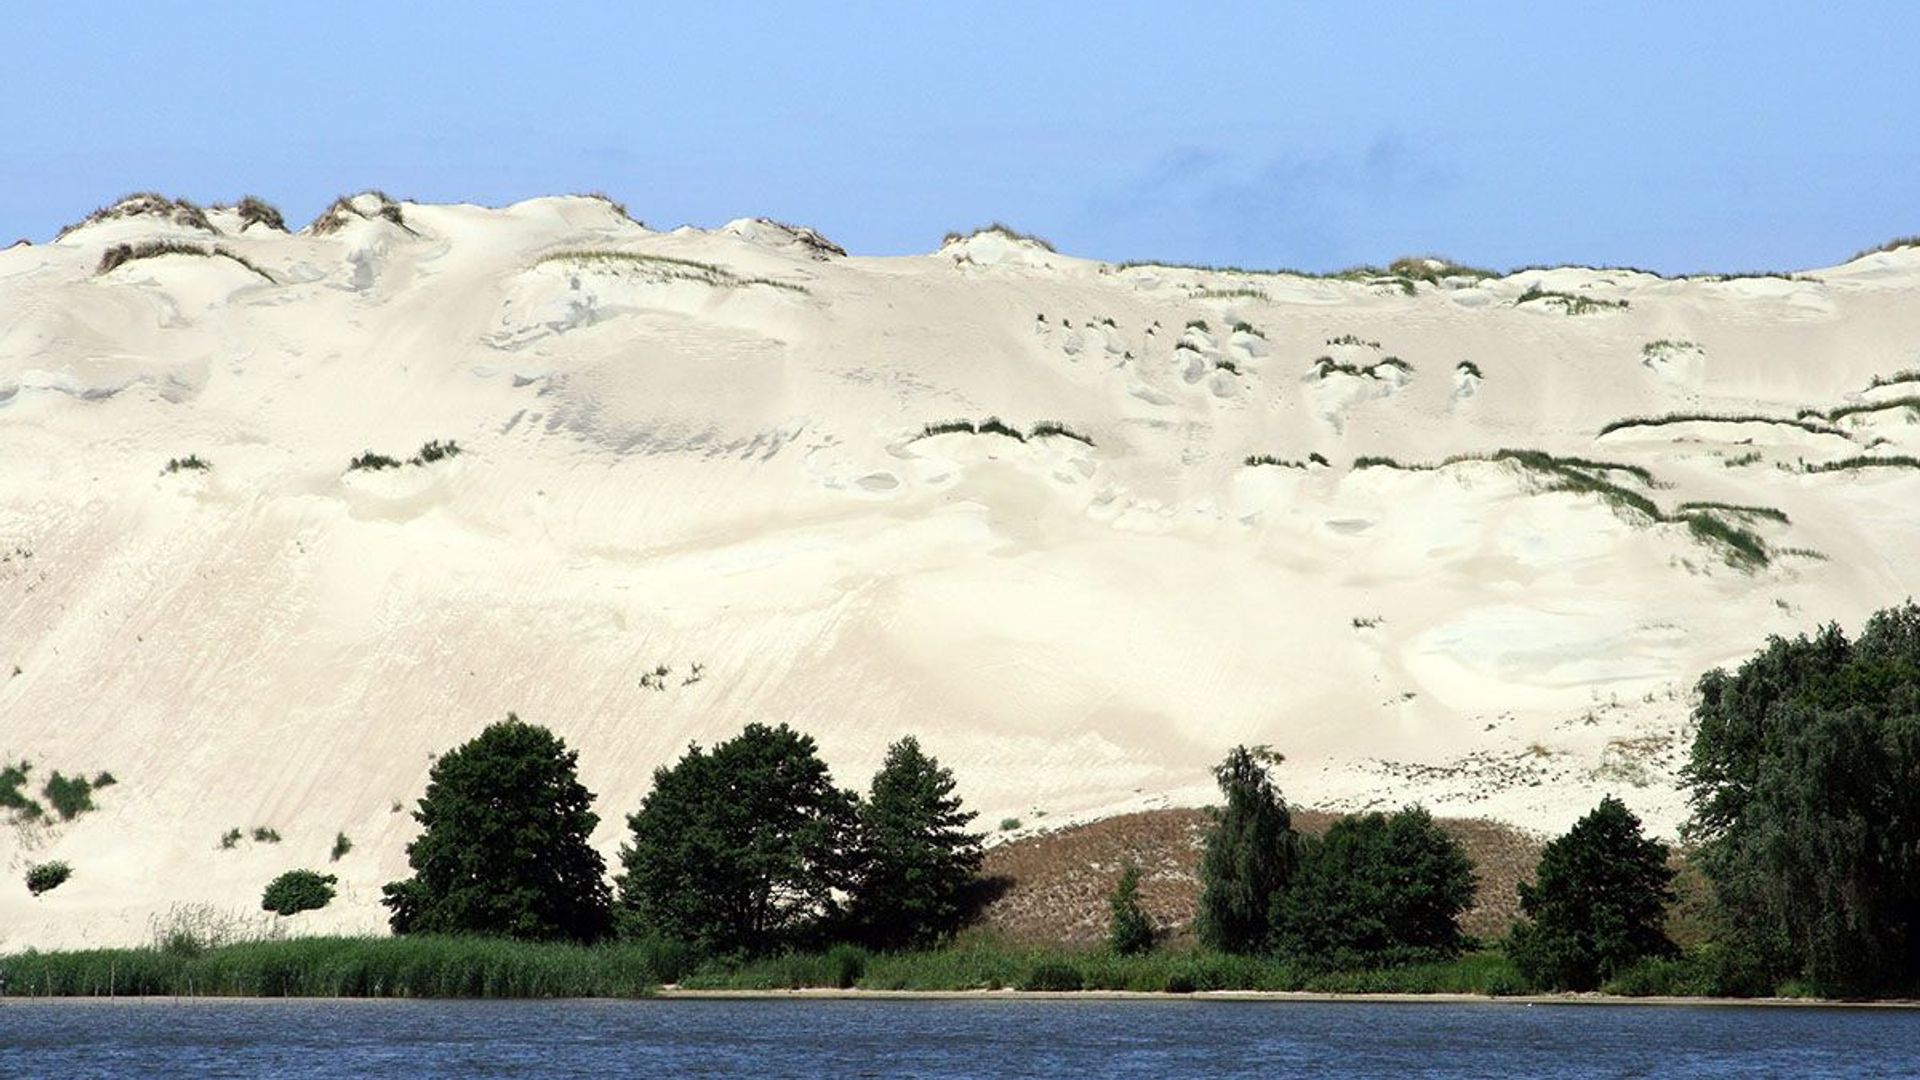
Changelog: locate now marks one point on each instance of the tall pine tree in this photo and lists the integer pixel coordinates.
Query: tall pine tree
(916, 861)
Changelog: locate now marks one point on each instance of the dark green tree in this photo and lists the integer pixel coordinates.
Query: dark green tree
(740, 848)
(1129, 930)
(915, 861)
(296, 891)
(503, 845)
(1805, 784)
(1248, 859)
(1596, 905)
(1377, 889)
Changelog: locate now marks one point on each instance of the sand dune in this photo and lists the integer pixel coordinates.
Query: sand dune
(706, 448)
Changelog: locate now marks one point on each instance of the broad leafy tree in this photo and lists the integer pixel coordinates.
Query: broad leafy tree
(1377, 889)
(1597, 904)
(1805, 777)
(1248, 858)
(741, 848)
(915, 861)
(503, 845)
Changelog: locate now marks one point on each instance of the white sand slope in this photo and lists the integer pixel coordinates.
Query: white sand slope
(704, 449)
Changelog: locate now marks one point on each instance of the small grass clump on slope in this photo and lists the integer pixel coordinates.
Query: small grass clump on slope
(1315, 458)
(147, 204)
(1895, 244)
(12, 779)
(1804, 423)
(121, 254)
(993, 425)
(430, 451)
(342, 211)
(1862, 461)
(667, 268)
(190, 463)
(1841, 412)
(1326, 365)
(1570, 303)
(1003, 229)
(1768, 512)
(44, 877)
(257, 211)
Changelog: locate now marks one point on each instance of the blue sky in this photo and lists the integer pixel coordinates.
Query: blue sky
(1677, 136)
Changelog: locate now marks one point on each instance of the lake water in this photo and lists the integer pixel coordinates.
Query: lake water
(942, 1039)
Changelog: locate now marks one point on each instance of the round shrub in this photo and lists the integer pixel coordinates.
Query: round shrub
(298, 890)
(44, 876)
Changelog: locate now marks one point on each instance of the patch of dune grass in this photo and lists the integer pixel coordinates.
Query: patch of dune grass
(1570, 303)
(1326, 365)
(70, 796)
(668, 267)
(1895, 244)
(1381, 461)
(1354, 339)
(1804, 423)
(342, 211)
(46, 876)
(1667, 345)
(1768, 512)
(258, 211)
(1741, 545)
(147, 204)
(1003, 229)
(1315, 458)
(1434, 269)
(1862, 461)
(1905, 375)
(1469, 368)
(993, 425)
(430, 451)
(1057, 429)
(13, 778)
(121, 254)
(1841, 412)
(1582, 476)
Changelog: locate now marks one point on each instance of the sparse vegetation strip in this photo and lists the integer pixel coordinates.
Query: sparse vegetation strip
(667, 267)
(1570, 303)
(1804, 423)
(121, 254)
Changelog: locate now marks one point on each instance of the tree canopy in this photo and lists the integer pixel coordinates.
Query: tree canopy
(503, 845)
(1377, 888)
(1596, 905)
(915, 862)
(740, 848)
(1248, 858)
(1805, 786)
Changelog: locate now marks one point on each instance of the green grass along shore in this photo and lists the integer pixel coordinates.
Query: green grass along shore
(452, 967)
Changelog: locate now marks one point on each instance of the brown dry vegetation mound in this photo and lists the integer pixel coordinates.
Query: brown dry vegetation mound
(149, 204)
(1053, 888)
